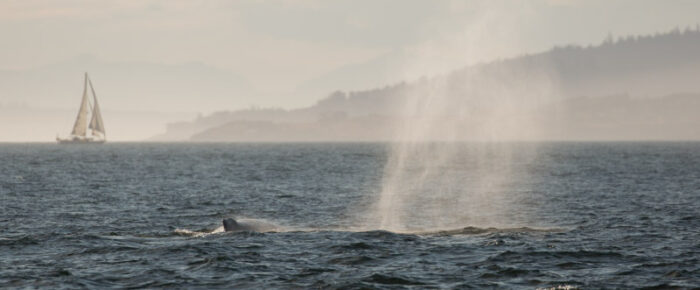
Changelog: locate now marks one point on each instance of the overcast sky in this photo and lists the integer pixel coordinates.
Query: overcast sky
(278, 46)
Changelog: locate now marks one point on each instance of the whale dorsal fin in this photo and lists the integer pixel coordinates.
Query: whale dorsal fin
(230, 224)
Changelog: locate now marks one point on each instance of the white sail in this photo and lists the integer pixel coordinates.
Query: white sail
(80, 125)
(96, 123)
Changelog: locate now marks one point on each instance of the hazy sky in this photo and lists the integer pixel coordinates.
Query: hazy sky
(279, 46)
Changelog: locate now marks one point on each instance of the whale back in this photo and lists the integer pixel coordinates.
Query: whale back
(232, 225)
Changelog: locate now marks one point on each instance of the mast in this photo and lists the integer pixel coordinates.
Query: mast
(80, 125)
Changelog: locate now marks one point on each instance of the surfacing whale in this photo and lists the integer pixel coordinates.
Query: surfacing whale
(232, 225)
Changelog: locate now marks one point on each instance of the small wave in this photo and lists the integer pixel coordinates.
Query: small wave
(314, 271)
(560, 287)
(490, 230)
(197, 234)
(354, 246)
(391, 280)
(525, 256)
(23, 240)
(470, 230)
(351, 260)
(189, 233)
(509, 272)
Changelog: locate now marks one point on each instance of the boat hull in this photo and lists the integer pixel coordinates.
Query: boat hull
(79, 141)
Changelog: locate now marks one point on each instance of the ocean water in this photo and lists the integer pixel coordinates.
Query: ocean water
(588, 215)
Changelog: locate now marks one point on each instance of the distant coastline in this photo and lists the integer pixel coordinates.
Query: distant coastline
(633, 88)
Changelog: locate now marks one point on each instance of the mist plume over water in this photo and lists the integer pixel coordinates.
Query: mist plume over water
(450, 165)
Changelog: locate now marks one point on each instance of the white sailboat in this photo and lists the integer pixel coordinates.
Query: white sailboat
(81, 126)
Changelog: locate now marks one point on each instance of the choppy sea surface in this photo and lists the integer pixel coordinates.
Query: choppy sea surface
(600, 215)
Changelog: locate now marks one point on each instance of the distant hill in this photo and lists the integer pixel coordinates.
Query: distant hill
(644, 84)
